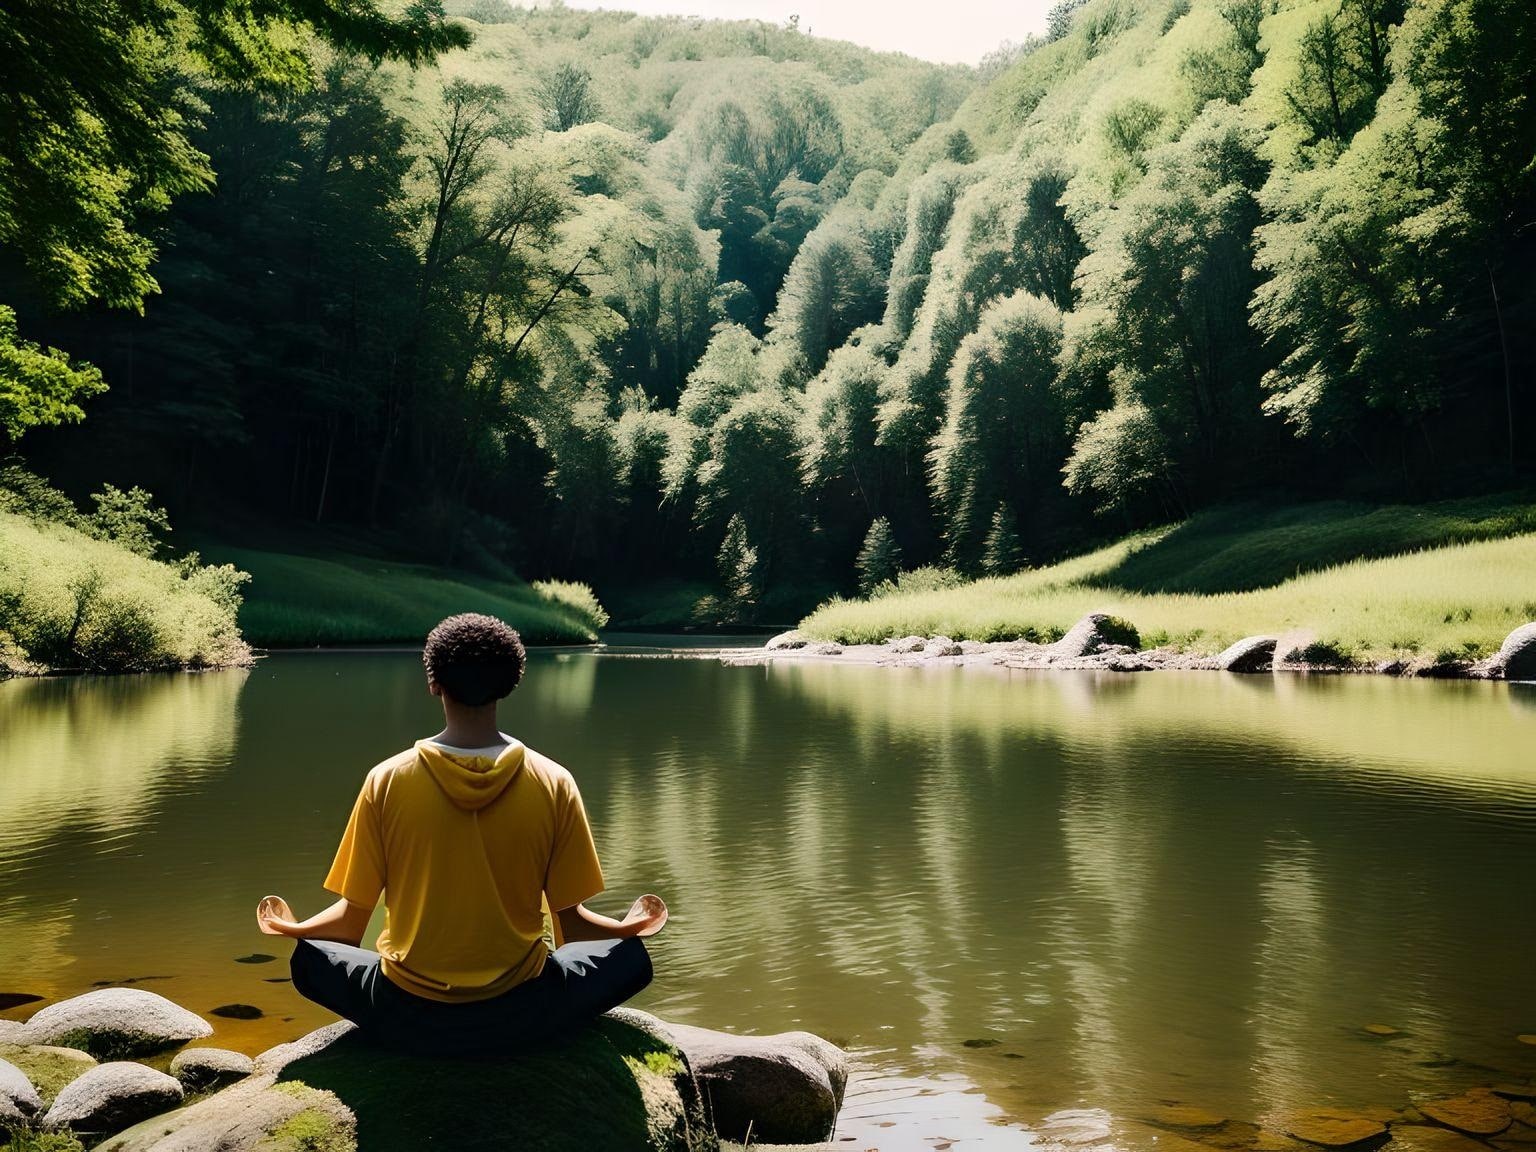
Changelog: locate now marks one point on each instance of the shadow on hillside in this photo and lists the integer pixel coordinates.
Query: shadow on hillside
(1247, 546)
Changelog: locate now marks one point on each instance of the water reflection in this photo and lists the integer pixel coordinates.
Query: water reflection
(1074, 892)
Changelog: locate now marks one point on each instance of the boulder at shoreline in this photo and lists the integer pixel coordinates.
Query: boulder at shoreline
(114, 1022)
(1517, 655)
(112, 1096)
(1250, 655)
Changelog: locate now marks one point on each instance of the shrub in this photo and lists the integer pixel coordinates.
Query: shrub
(69, 600)
(578, 599)
(879, 561)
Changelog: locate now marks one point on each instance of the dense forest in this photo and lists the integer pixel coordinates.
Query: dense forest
(616, 298)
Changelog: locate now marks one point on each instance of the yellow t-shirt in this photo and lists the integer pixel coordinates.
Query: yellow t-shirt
(466, 851)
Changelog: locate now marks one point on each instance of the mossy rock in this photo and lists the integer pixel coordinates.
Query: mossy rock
(49, 1068)
(612, 1086)
(253, 1116)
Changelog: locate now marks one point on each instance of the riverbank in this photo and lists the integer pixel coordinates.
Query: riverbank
(330, 595)
(1192, 590)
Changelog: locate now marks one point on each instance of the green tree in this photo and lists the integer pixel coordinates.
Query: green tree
(1002, 437)
(39, 387)
(879, 560)
(567, 97)
(740, 573)
(1003, 553)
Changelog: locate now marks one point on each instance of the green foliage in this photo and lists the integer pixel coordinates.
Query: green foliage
(1002, 427)
(740, 573)
(567, 97)
(30, 1140)
(579, 598)
(130, 519)
(68, 600)
(1003, 552)
(39, 387)
(879, 560)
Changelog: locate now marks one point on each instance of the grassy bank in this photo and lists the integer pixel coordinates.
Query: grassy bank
(70, 600)
(1325, 571)
(340, 597)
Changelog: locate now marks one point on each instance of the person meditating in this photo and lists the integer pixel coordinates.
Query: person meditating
(471, 837)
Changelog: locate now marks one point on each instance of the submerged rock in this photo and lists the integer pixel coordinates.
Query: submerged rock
(1479, 1112)
(1382, 1030)
(237, 1012)
(118, 1022)
(1423, 1138)
(17, 999)
(1517, 655)
(112, 1096)
(1332, 1128)
(1250, 655)
(19, 1100)
(1185, 1116)
(785, 1088)
(200, 1069)
(1094, 633)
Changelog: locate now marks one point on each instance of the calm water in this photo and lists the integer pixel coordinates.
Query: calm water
(1124, 891)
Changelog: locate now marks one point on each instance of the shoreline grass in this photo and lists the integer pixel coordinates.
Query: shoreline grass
(1455, 601)
(338, 597)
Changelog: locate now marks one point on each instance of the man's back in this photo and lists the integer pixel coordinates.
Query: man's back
(465, 848)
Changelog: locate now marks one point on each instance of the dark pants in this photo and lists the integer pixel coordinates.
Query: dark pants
(579, 981)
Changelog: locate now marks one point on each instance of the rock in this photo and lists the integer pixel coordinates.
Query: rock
(1527, 1038)
(907, 644)
(254, 1116)
(782, 1089)
(981, 1042)
(943, 646)
(1095, 632)
(1517, 655)
(17, 999)
(1478, 1113)
(1332, 1128)
(48, 1068)
(1516, 1091)
(1423, 1138)
(200, 1069)
(1185, 1116)
(615, 1085)
(112, 1096)
(824, 649)
(118, 1022)
(255, 958)
(1253, 654)
(1382, 1030)
(14, 1032)
(794, 638)
(237, 1012)
(19, 1101)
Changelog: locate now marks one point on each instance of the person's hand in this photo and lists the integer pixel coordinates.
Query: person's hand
(274, 917)
(646, 916)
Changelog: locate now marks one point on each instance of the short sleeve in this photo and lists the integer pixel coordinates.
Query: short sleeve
(357, 874)
(574, 874)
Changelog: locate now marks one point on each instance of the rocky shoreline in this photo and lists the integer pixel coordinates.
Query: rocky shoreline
(110, 1070)
(1104, 643)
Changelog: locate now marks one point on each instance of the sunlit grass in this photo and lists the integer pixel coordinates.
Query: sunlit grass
(342, 598)
(1459, 600)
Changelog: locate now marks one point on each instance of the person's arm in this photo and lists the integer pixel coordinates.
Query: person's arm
(343, 922)
(581, 923)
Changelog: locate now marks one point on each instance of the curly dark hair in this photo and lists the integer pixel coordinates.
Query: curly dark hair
(474, 659)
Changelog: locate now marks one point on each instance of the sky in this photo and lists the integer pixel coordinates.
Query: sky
(950, 31)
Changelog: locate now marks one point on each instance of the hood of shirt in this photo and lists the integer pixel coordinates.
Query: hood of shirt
(471, 782)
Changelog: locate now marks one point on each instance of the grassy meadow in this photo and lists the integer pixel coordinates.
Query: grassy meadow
(1444, 581)
(333, 596)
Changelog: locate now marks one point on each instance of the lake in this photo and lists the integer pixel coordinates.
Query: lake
(1017, 896)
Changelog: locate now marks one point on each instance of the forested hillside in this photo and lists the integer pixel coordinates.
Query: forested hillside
(617, 298)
